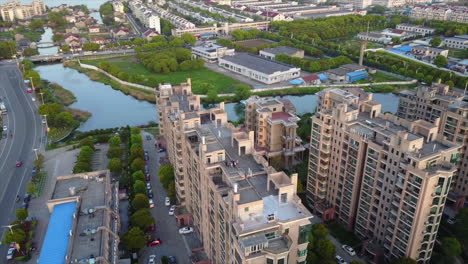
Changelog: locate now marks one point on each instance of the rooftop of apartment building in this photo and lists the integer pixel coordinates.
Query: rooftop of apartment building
(282, 50)
(258, 63)
(92, 189)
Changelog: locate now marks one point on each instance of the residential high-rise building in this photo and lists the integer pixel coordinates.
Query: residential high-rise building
(448, 108)
(275, 128)
(435, 12)
(15, 10)
(243, 210)
(384, 177)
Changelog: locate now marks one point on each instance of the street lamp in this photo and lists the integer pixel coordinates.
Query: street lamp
(47, 127)
(42, 97)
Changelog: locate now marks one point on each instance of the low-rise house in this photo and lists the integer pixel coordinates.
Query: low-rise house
(337, 75)
(149, 34)
(290, 51)
(211, 52)
(70, 38)
(80, 24)
(70, 19)
(456, 42)
(73, 30)
(121, 33)
(94, 29)
(462, 66)
(75, 45)
(416, 28)
(258, 68)
(427, 53)
(98, 40)
(312, 79)
(356, 76)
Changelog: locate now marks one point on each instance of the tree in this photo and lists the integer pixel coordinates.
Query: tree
(31, 188)
(325, 249)
(64, 119)
(115, 141)
(378, 9)
(28, 52)
(140, 201)
(171, 193)
(114, 152)
(136, 152)
(176, 42)
(36, 24)
(428, 79)
(319, 231)
(91, 46)
(58, 38)
(115, 166)
(440, 61)
(21, 214)
(435, 42)
(135, 131)
(404, 260)
(242, 92)
(189, 39)
(134, 239)
(7, 49)
(461, 226)
(138, 176)
(212, 96)
(451, 246)
(139, 187)
(18, 235)
(137, 164)
(166, 175)
(82, 167)
(87, 141)
(39, 162)
(396, 40)
(142, 219)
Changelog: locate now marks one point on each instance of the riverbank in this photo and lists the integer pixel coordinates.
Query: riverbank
(138, 94)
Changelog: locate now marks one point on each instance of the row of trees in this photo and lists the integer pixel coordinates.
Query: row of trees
(114, 154)
(57, 117)
(170, 60)
(314, 65)
(83, 163)
(240, 34)
(166, 176)
(141, 218)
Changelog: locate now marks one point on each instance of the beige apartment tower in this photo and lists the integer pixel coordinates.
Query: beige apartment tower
(243, 210)
(274, 123)
(384, 177)
(15, 10)
(448, 107)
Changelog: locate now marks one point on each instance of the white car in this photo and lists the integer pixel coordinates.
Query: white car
(349, 250)
(152, 259)
(167, 202)
(148, 185)
(171, 210)
(10, 253)
(33, 99)
(340, 260)
(185, 230)
(151, 203)
(5, 128)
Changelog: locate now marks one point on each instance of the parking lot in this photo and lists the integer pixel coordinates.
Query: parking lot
(173, 244)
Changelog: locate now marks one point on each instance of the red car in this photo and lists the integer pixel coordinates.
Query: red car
(29, 90)
(148, 177)
(19, 164)
(154, 242)
(152, 227)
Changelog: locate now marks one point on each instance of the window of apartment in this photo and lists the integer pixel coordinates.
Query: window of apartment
(304, 232)
(255, 248)
(301, 253)
(284, 197)
(281, 261)
(270, 235)
(269, 261)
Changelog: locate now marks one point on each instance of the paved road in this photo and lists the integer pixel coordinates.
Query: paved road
(166, 227)
(25, 124)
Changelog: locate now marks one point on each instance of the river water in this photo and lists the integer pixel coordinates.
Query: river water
(92, 4)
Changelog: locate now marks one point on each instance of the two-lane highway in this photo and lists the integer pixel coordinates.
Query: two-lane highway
(25, 124)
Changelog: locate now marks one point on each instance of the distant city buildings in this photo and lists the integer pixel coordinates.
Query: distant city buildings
(447, 108)
(436, 12)
(243, 210)
(384, 177)
(14, 10)
(146, 15)
(258, 68)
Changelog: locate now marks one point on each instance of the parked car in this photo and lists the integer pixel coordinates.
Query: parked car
(172, 210)
(150, 193)
(154, 242)
(146, 170)
(148, 137)
(10, 253)
(161, 150)
(151, 203)
(5, 128)
(148, 185)
(152, 259)
(25, 205)
(33, 99)
(152, 227)
(185, 230)
(167, 202)
(148, 177)
(349, 250)
(340, 260)
(27, 198)
(29, 90)
(172, 260)
(19, 163)
(146, 157)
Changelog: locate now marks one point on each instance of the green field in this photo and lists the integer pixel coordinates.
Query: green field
(458, 53)
(201, 78)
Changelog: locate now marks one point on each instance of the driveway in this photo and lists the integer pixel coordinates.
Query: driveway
(167, 230)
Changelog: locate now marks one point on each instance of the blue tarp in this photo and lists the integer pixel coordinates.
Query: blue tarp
(296, 81)
(57, 237)
(355, 76)
(322, 76)
(402, 49)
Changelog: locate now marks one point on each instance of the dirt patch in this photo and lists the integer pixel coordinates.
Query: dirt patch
(253, 43)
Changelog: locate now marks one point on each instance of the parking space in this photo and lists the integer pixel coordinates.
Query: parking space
(173, 244)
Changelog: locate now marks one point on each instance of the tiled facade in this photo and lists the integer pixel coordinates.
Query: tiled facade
(384, 177)
(243, 210)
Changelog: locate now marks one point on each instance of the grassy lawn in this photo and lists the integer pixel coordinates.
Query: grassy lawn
(380, 77)
(9, 35)
(200, 78)
(152, 130)
(342, 235)
(457, 53)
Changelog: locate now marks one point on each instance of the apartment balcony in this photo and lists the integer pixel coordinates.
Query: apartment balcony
(278, 245)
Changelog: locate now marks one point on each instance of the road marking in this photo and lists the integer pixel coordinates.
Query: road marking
(14, 125)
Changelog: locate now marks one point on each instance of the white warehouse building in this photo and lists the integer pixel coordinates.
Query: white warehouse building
(259, 68)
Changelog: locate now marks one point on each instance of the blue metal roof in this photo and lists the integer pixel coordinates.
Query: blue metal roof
(296, 81)
(322, 76)
(356, 73)
(57, 237)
